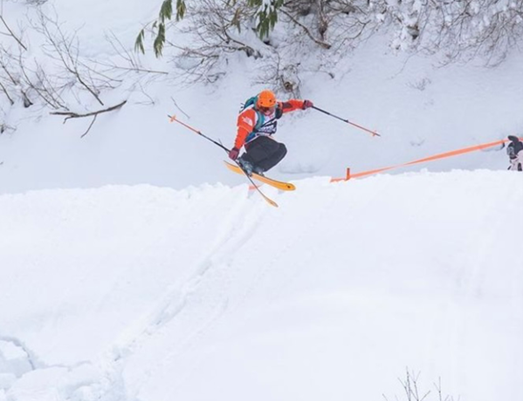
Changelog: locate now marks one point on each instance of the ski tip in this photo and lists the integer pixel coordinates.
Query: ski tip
(271, 202)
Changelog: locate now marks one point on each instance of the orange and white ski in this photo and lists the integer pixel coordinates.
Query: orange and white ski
(284, 186)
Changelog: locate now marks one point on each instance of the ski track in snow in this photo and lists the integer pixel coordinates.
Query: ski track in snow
(223, 284)
(238, 226)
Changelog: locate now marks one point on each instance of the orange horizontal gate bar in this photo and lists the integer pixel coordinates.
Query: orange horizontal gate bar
(424, 160)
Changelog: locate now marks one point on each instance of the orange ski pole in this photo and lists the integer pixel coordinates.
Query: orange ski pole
(373, 133)
(173, 118)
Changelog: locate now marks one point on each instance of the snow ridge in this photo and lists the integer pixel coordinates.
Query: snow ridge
(210, 285)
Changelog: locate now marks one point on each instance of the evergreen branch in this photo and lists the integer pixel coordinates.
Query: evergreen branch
(180, 9)
(138, 44)
(160, 40)
(166, 11)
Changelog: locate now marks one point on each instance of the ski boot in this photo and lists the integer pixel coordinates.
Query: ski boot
(246, 166)
(258, 170)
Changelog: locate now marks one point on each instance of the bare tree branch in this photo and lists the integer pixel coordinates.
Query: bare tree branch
(12, 33)
(67, 52)
(71, 114)
(306, 30)
(7, 94)
(90, 125)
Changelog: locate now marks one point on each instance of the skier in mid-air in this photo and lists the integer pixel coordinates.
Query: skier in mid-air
(257, 123)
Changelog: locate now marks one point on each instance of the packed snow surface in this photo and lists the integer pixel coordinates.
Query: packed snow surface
(149, 293)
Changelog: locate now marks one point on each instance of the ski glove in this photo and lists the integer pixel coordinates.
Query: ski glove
(233, 153)
(307, 104)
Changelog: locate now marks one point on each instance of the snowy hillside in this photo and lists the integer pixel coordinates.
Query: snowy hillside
(419, 107)
(135, 267)
(147, 293)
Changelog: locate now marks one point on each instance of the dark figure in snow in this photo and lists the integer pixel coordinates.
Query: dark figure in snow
(515, 153)
(257, 124)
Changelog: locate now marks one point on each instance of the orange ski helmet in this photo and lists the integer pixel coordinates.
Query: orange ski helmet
(266, 98)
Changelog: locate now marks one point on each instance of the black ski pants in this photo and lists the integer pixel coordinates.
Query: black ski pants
(264, 152)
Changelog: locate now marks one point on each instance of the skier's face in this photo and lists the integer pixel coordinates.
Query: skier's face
(267, 110)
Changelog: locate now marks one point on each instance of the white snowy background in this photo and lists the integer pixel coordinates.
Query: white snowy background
(134, 266)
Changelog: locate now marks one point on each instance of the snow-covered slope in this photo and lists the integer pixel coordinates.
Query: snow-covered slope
(419, 107)
(147, 293)
(188, 287)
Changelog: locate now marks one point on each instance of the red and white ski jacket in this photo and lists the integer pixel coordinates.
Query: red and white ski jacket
(249, 119)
